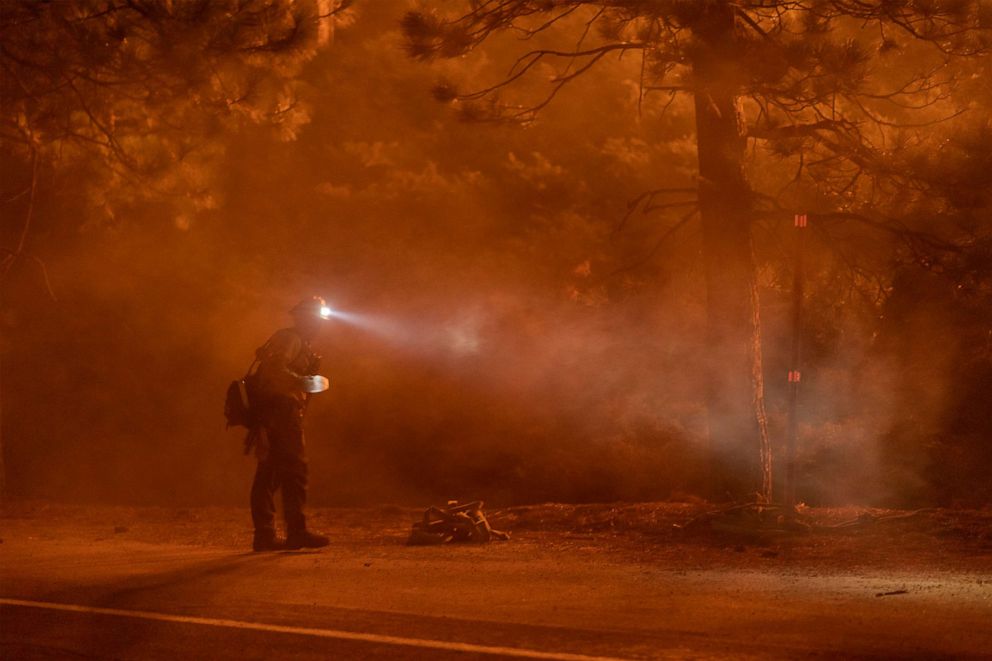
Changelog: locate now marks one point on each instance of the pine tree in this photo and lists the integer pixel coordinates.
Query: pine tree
(843, 91)
(143, 86)
(135, 93)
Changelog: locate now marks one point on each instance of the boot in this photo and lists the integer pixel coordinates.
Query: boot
(306, 540)
(266, 541)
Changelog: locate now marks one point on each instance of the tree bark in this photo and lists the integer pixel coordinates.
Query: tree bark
(740, 460)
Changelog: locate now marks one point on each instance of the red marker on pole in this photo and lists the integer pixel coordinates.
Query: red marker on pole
(800, 222)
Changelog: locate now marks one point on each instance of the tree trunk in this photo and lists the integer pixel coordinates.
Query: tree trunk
(3, 463)
(740, 461)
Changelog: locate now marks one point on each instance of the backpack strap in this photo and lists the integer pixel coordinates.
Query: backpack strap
(258, 359)
(251, 369)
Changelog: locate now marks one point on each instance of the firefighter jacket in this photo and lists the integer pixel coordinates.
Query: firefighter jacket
(283, 361)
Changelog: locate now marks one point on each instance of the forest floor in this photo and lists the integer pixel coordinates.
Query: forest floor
(673, 535)
(657, 580)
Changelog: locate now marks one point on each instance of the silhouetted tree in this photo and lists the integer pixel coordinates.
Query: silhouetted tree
(137, 93)
(844, 91)
(143, 85)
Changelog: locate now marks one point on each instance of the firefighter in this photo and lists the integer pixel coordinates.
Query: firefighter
(280, 389)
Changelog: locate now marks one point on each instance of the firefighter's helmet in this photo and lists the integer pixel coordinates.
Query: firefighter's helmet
(314, 306)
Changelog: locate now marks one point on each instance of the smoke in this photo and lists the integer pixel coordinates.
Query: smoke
(502, 329)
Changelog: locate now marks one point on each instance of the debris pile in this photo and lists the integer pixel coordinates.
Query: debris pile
(454, 523)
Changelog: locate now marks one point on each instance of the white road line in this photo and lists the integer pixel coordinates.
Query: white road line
(307, 631)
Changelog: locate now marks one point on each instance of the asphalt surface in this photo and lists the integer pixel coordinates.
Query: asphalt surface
(115, 599)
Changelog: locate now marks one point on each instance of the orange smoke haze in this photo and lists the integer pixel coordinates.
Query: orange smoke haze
(503, 330)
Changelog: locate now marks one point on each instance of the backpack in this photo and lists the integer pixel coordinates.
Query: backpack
(237, 404)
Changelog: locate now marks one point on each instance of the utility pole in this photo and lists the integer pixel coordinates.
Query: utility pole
(800, 224)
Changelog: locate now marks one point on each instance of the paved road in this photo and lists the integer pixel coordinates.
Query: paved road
(129, 600)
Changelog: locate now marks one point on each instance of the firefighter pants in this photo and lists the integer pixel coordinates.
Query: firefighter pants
(283, 467)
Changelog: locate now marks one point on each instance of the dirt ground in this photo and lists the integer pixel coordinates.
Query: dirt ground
(645, 581)
(674, 535)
